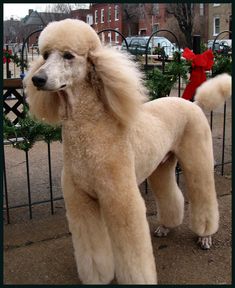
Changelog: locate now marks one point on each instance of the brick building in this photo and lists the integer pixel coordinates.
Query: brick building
(108, 16)
(219, 19)
(82, 14)
(201, 21)
(145, 18)
(152, 18)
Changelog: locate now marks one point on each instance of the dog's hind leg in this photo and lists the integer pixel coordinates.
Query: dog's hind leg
(195, 154)
(169, 198)
(92, 247)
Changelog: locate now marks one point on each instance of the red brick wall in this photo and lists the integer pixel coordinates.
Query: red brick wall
(112, 24)
(80, 14)
(152, 18)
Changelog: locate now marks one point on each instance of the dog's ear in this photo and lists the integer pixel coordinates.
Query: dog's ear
(43, 105)
(118, 82)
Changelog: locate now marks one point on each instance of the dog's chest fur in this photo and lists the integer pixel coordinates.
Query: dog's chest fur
(88, 149)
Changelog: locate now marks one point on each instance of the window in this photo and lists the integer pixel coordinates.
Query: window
(116, 36)
(116, 12)
(155, 27)
(216, 26)
(142, 11)
(109, 14)
(155, 9)
(89, 19)
(96, 16)
(110, 37)
(201, 9)
(102, 16)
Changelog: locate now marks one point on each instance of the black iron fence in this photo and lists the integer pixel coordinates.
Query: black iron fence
(14, 101)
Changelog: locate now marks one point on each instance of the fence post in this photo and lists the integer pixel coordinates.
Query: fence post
(197, 44)
(7, 65)
(5, 188)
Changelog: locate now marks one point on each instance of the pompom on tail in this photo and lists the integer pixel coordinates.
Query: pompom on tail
(214, 92)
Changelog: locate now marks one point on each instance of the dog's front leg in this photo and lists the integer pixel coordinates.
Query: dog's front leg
(125, 216)
(92, 247)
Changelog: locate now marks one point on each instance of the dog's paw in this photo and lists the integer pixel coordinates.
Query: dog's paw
(205, 242)
(161, 231)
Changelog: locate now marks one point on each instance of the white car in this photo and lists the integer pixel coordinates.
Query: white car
(137, 45)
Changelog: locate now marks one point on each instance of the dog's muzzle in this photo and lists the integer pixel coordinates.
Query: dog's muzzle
(39, 80)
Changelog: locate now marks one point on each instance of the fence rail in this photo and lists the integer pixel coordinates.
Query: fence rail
(14, 102)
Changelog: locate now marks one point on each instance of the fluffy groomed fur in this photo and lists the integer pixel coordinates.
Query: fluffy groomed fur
(214, 92)
(43, 104)
(111, 143)
(121, 90)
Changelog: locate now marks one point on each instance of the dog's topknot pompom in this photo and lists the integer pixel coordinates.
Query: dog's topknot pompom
(80, 37)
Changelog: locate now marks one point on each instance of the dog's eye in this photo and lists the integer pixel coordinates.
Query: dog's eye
(68, 56)
(45, 55)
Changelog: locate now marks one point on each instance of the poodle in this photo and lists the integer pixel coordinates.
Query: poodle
(113, 139)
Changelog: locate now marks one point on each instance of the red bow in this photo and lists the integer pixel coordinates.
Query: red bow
(200, 63)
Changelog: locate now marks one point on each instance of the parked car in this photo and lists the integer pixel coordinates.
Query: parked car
(137, 45)
(222, 46)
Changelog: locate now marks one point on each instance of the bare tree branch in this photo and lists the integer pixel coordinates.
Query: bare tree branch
(183, 13)
(131, 16)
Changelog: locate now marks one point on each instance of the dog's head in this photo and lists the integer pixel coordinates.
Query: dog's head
(71, 52)
(64, 47)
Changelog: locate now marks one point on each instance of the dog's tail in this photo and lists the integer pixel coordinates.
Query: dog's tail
(214, 92)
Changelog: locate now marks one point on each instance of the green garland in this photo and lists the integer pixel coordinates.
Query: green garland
(9, 57)
(159, 83)
(29, 131)
(222, 64)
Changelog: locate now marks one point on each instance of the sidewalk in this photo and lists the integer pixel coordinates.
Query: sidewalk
(39, 251)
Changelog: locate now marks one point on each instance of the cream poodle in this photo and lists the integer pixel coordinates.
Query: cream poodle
(112, 142)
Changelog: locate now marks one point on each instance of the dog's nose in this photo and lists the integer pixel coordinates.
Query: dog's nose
(39, 80)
